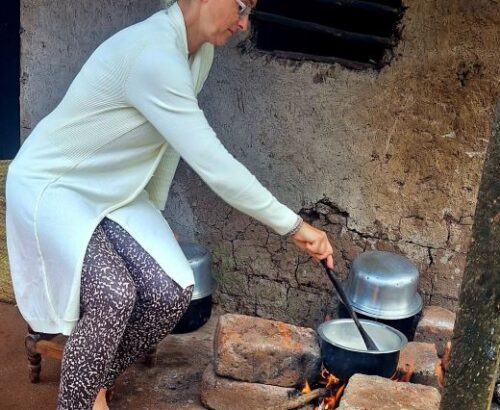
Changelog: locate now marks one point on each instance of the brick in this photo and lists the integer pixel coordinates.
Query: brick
(264, 351)
(220, 393)
(422, 358)
(374, 392)
(435, 326)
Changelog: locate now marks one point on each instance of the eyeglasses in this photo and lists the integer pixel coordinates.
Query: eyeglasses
(244, 10)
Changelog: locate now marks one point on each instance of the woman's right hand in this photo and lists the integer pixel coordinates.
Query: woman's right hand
(315, 242)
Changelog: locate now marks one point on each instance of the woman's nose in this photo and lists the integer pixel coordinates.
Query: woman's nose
(243, 23)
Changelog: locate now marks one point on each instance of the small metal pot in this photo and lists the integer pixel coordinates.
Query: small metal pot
(344, 353)
(407, 326)
(200, 308)
(383, 285)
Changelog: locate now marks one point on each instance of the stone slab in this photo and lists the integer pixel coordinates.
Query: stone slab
(374, 392)
(264, 351)
(220, 393)
(422, 361)
(435, 326)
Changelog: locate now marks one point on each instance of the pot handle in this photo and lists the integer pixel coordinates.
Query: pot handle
(370, 344)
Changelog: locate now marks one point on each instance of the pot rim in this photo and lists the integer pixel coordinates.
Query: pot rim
(415, 308)
(324, 338)
(201, 294)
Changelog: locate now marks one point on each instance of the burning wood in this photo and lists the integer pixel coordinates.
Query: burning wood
(299, 401)
(334, 389)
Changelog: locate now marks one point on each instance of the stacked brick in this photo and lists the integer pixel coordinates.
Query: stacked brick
(258, 363)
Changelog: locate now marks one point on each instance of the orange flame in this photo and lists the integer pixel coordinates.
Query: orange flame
(306, 389)
(329, 378)
(404, 374)
(336, 388)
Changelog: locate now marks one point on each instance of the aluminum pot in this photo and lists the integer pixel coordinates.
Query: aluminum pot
(200, 308)
(407, 326)
(383, 285)
(344, 353)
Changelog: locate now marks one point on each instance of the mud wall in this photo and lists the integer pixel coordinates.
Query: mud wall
(381, 160)
(57, 37)
(389, 160)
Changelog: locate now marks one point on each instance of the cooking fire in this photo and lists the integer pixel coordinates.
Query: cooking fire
(385, 353)
(263, 364)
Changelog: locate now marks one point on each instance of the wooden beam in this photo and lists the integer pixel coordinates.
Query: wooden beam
(291, 55)
(50, 349)
(348, 36)
(363, 5)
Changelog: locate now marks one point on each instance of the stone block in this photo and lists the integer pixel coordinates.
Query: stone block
(435, 326)
(220, 393)
(422, 362)
(264, 351)
(374, 392)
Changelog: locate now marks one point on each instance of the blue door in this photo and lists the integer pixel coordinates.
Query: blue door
(9, 79)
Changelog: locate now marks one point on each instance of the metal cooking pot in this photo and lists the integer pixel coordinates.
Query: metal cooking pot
(200, 308)
(407, 326)
(344, 353)
(383, 285)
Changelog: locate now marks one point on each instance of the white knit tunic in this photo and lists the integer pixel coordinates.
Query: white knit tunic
(110, 149)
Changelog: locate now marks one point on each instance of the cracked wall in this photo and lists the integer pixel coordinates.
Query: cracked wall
(388, 160)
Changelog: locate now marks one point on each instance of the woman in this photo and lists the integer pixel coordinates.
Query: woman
(91, 255)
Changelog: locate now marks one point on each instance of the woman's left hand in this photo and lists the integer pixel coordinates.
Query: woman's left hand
(315, 242)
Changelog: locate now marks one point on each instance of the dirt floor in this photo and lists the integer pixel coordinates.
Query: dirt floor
(172, 384)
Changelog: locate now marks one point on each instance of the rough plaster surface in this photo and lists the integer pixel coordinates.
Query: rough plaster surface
(57, 37)
(388, 160)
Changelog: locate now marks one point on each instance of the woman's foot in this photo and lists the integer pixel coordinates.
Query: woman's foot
(100, 401)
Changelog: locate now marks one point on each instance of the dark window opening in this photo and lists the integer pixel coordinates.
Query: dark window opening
(357, 33)
(9, 79)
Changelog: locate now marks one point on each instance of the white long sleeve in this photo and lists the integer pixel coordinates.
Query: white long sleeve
(161, 88)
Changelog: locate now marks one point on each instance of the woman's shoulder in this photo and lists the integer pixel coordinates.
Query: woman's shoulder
(155, 30)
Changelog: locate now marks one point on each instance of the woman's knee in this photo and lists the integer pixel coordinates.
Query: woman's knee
(119, 298)
(165, 295)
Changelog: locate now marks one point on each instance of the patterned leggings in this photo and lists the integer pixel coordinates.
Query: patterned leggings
(128, 304)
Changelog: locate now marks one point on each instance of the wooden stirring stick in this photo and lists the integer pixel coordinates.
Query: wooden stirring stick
(370, 344)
